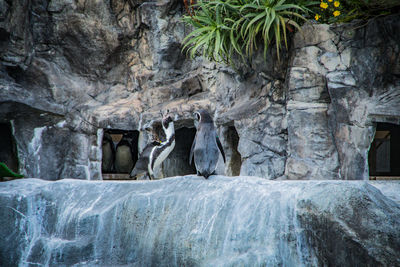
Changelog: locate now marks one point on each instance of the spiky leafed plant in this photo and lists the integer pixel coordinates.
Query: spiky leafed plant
(224, 27)
(212, 24)
(267, 19)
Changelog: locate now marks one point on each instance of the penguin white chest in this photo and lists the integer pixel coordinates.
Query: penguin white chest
(159, 154)
(123, 159)
(164, 154)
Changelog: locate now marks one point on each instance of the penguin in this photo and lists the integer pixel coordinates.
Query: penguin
(155, 152)
(125, 156)
(205, 145)
(108, 151)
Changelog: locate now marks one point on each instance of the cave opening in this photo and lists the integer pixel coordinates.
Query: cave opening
(8, 147)
(119, 153)
(235, 162)
(383, 155)
(177, 163)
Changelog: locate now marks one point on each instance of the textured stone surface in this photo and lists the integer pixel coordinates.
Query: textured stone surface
(116, 65)
(339, 86)
(191, 221)
(69, 69)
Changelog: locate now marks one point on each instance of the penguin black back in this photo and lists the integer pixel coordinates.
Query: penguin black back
(205, 145)
(108, 154)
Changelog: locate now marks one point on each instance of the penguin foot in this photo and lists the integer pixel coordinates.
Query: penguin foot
(206, 175)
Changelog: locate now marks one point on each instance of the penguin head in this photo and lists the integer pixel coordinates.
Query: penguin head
(168, 126)
(202, 116)
(167, 121)
(127, 139)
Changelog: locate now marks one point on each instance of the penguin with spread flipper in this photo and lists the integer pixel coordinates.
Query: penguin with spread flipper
(206, 145)
(155, 152)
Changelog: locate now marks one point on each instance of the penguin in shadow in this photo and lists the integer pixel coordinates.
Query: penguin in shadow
(108, 151)
(126, 153)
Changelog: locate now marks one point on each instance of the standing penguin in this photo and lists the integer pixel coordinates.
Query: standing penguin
(108, 151)
(125, 157)
(155, 152)
(205, 145)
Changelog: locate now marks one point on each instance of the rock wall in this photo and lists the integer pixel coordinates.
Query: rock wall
(342, 81)
(223, 221)
(69, 69)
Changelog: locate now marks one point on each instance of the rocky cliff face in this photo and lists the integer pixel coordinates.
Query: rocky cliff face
(70, 69)
(342, 81)
(223, 221)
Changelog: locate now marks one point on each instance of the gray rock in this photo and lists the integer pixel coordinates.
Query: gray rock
(115, 64)
(187, 220)
(313, 34)
(311, 146)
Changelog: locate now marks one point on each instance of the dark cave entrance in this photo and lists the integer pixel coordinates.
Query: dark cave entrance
(235, 162)
(177, 162)
(8, 147)
(384, 156)
(119, 153)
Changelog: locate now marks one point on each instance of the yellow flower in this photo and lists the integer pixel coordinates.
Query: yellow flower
(317, 17)
(323, 5)
(336, 3)
(336, 13)
(330, 0)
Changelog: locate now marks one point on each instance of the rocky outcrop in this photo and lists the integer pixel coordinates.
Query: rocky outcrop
(342, 81)
(70, 69)
(190, 221)
(93, 66)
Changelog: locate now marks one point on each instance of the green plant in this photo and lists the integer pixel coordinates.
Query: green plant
(212, 30)
(269, 20)
(225, 27)
(6, 172)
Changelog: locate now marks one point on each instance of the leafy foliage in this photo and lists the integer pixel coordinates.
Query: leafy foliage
(223, 28)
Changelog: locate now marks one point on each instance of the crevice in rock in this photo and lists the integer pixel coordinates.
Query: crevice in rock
(235, 162)
(8, 147)
(15, 72)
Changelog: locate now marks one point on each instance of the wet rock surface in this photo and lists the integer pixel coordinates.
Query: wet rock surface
(222, 221)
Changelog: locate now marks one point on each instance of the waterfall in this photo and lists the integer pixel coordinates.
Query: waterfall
(34, 148)
(190, 221)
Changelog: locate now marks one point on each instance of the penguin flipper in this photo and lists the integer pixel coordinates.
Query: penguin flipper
(142, 163)
(192, 151)
(220, 148)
